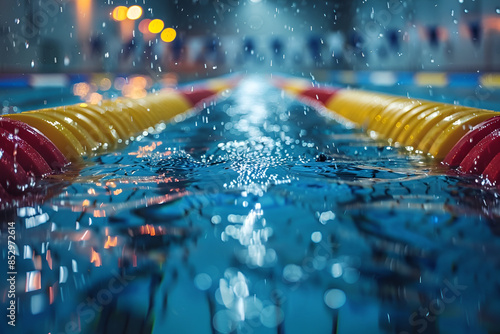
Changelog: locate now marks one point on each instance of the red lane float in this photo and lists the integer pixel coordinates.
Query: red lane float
(53, 157)
(481, 154)
(319, 94)
(478, 152)
(24, 154)
(14, 178)
(492, 171)
(471, 139)
(303, 90)
(197, 96)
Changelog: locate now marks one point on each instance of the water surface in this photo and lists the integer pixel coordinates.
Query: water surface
(257, 214)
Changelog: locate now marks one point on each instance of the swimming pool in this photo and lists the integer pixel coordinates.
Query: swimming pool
(257, 214)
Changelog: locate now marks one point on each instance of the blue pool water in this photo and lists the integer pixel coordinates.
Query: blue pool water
(257, 214)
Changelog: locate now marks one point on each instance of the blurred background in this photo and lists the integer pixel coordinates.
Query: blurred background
(200, 38)
(91, 50)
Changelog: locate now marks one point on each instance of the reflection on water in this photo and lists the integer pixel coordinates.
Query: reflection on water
(257, 214)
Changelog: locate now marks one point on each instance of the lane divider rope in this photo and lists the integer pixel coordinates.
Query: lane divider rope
(39, 143)
(463, 138)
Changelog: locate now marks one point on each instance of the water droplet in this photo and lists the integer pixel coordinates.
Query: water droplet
(271, 316)
(225, 321)
(351, 275)
(334, 298)
(336, 270)
(203, 281)
(316, 237)
(292, 273)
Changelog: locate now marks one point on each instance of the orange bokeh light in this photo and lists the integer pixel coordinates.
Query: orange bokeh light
(111, 242)
(144, 26)
(95, 258)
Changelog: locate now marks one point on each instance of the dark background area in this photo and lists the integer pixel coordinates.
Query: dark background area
(222, 36)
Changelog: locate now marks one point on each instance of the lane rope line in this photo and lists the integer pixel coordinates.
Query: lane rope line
(39, 143)
(465, 139)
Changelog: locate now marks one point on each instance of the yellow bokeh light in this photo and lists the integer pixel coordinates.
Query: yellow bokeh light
(168, 35)
(134, 12)
(120, 13)
(156, 26)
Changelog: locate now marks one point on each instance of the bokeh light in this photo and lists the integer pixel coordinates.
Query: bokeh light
(136, 87)
(105, 84)
(134, 12)
(94, 98)
(120, 13)
(335, 298)
(168, 35)
(144, 26)
(139, 81)
(81, 89)
(119, 83)
(156, 26)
